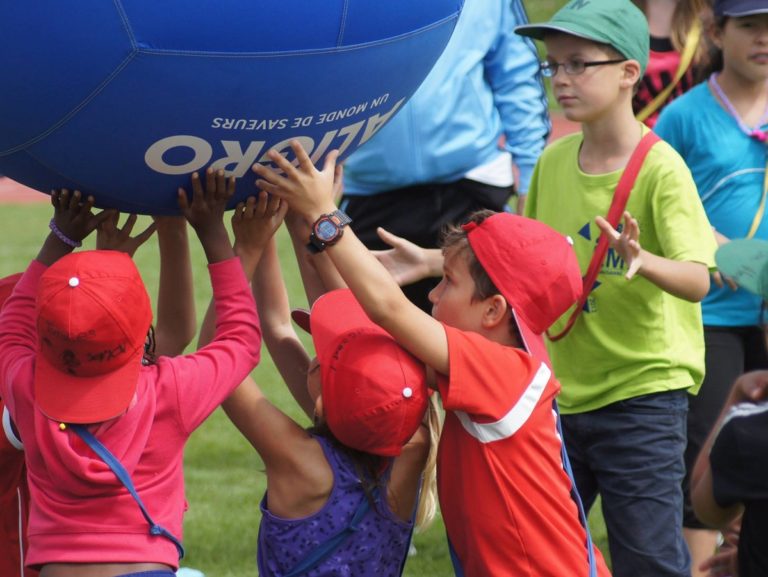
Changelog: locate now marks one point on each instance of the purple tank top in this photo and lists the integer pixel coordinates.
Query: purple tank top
(378, 547)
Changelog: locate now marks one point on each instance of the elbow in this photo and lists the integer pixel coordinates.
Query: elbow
(712, 515)
(698, 287)
(701, 288)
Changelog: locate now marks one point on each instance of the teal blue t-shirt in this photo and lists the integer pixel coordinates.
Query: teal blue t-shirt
(728, 168)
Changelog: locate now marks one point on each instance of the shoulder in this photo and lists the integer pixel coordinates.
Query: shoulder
(563, 145)
(476, 358)
(684, 110)
(684, 104)
(663, 159)
(562, 151)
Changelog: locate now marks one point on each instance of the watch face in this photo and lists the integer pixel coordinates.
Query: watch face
(326, 230)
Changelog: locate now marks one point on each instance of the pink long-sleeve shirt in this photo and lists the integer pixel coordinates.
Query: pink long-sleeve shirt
(80, 512)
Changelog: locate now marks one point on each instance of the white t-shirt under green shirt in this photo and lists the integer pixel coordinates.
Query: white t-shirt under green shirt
(632, 338)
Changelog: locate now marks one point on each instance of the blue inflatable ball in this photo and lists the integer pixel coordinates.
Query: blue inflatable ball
(124, 99)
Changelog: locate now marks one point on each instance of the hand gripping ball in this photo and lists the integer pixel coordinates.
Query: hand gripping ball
(124, 99)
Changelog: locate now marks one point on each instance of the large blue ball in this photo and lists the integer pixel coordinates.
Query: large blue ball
(123, 99)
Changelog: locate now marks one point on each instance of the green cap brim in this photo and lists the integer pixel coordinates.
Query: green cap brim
(538, 31)
(746, 262)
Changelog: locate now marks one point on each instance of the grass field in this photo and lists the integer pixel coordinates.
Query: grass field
(224, 476)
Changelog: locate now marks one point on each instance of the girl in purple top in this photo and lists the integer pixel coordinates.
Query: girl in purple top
(341, 497)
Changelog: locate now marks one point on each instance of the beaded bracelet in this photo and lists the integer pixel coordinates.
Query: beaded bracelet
(63, 237)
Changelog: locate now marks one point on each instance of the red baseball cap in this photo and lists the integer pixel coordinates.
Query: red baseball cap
(93, 314)
(533, 266)
(6, 286)
(374, 391)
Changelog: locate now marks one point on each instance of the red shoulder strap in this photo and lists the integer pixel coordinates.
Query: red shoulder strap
(618, 204)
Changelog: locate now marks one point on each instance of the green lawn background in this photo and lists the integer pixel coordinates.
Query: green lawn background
(224, 476)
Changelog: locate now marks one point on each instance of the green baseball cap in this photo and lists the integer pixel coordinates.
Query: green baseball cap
(618, 23)
(746, 262)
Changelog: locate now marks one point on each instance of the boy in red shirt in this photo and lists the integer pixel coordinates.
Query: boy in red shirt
(504, 493)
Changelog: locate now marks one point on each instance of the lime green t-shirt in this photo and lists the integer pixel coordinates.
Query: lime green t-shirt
(633, 338)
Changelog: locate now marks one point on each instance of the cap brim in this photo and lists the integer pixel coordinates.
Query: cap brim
(533, 342)
(538, 31)
(301, 318)
(738, 13)
(746, 262)
(82, 400)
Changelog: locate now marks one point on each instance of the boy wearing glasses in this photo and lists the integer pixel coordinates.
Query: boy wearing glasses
(636, 349)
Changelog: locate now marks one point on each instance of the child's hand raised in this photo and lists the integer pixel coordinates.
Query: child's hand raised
(254, 222)
(73, 216)
(206, 212)
(405, 261)
(207, 206)
(109, 236)
(307, 190)
(72, 221)
(626, 242)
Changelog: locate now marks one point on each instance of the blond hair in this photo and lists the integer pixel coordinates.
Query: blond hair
(427, 506)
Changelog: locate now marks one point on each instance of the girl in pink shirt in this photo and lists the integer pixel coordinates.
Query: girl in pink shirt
(72, 353)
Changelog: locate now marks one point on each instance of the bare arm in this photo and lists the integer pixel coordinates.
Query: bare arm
(276, 437)
(287, 351)
(318, 273)
(684, 279)
(749, 387)
(308, 191)
(176, 320)
(521, 198)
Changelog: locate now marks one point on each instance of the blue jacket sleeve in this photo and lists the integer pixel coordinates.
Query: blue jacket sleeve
(512, 69)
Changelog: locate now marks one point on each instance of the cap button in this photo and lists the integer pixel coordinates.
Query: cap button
(74, 281)
(407, 392)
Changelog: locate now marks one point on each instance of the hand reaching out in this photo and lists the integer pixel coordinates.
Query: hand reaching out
(725, 562)
(72, 221)
(405, 261)
(73, 216)
(626, 242)
(719, 278)
(307, 190)
(109, 236)
(207, 206)
(750, 387)
(205, 213)
(254, 222)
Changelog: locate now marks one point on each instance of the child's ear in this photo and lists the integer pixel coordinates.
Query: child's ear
(714, 32)
(495, 311)
(631, 73)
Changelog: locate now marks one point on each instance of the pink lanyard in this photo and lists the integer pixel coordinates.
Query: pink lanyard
(757, 133)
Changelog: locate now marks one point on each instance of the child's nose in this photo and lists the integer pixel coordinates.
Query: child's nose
(433, 296)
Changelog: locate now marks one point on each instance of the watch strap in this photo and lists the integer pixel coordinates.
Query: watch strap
(339, 218)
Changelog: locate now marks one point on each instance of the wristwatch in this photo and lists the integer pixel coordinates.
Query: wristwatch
(327, 230)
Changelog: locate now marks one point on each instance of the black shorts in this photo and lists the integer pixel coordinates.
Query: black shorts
(418, 214)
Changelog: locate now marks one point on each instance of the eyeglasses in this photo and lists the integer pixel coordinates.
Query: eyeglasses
(573, 67)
